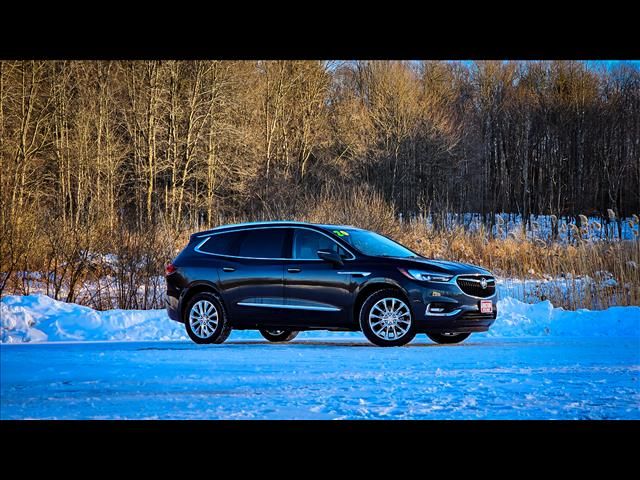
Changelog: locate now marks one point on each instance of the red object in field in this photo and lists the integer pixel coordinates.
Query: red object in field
(169, 269)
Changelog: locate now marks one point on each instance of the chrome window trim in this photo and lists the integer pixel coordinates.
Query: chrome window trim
(244, 229)
(289, 307)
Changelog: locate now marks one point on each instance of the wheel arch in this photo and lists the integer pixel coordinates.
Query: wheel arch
(195, 288)
(370, 288)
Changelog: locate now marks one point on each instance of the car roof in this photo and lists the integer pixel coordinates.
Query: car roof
(283, 223)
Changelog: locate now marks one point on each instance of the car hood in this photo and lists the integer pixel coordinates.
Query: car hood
(441, 266)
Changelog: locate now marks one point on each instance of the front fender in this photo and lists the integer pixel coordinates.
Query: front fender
(378, 281)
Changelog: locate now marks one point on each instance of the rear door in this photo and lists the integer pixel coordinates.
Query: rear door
(251, 274)
(317, 293)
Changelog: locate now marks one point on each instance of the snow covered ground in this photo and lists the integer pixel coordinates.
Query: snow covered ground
(324, 378)
(63, 360)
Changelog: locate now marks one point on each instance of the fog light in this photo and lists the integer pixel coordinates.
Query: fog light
(441, 309)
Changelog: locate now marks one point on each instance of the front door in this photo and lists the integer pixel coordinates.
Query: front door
(316, 292)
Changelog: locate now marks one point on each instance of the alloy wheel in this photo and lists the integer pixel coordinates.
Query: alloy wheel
(390, 318)
(203, 318)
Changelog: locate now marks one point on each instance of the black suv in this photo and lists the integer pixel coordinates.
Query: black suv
(284, 277)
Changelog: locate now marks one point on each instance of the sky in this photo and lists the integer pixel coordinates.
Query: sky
(613, 63)
(609, 64)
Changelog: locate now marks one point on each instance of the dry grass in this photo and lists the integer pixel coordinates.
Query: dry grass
(584, 274)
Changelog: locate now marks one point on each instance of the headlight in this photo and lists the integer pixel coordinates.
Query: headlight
(425, 275)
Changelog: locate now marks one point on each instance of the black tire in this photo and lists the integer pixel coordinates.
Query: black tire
(367, 329)
(223, 328)
(444, 339)
(279, 335)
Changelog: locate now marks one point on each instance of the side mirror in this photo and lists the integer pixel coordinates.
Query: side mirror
(331, 257)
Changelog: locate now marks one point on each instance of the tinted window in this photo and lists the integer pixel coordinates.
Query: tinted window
(371, 243)
(263, 243)
(307, 242)
(223, 243)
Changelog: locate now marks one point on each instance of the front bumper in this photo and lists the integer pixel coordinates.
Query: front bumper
(468, 320)
(462, 311)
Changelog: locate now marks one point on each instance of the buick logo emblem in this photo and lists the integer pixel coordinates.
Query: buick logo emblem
(483, 283)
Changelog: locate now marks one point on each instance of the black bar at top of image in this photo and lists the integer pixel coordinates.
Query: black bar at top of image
(402, 38)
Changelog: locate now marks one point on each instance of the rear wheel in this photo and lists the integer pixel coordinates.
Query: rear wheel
(279, 335)
(448, 338)
(206, 320)
(386, 320)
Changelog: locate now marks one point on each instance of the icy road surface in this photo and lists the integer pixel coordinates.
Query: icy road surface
(324, 378)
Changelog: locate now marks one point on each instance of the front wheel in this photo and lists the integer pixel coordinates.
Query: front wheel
(279, 335)
(385, 319)
(448, 338)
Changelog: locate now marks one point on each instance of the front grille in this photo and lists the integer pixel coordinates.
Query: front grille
(472, 285)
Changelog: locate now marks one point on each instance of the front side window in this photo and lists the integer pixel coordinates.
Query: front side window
(263, 243)
(306, 244)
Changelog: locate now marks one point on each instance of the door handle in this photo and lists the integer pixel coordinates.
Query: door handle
(294, 270)
(228, 269)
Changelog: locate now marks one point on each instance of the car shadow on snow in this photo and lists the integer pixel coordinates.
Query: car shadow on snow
(311, 343)
(334, 343)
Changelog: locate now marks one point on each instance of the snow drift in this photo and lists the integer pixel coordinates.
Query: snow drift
(519, 319)
(39, 318)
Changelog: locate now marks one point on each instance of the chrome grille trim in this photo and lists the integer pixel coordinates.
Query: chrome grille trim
(474, 290)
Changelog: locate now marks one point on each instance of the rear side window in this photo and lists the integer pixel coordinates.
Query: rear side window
(223, 243)
(263, 243)
(306, 244)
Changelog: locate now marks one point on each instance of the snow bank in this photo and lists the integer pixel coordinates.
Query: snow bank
(38, 318)
(519, 319)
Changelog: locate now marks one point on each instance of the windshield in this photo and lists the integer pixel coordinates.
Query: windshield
(373, 244)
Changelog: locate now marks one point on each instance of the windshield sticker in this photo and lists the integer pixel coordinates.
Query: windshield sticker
(341, 233)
